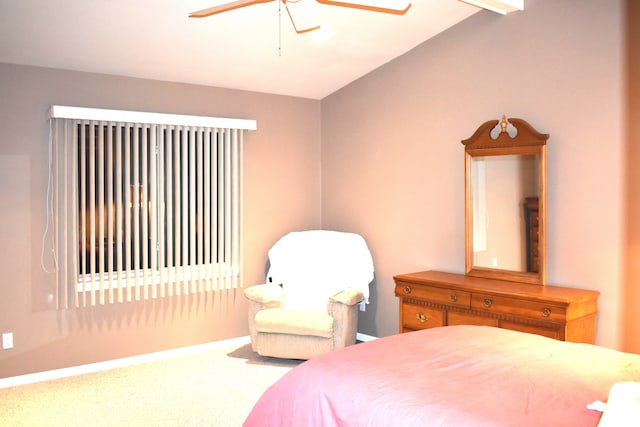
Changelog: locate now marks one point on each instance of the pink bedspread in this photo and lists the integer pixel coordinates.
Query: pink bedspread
(451, 376)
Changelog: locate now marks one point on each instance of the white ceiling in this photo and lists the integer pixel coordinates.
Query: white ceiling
(252, 48)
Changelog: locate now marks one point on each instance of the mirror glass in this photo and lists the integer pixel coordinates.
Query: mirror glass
(504, 188)
(505, 192)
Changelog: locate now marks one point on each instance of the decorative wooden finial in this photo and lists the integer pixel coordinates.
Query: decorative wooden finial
(503, 124)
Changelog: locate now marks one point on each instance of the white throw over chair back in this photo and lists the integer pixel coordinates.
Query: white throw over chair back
(313, 265)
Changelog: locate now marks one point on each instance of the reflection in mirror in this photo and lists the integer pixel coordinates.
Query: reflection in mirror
(501, 234)
(505, 193)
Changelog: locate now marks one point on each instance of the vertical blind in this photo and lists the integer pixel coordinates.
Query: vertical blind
(144, 205)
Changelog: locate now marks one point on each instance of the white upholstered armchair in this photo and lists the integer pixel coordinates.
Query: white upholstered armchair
(309, 305)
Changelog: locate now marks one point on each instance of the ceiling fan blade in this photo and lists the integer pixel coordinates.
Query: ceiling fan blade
(397, 7)
(303, 13)
(225, 7)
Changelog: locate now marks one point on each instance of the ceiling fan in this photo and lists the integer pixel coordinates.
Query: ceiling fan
(298, 10)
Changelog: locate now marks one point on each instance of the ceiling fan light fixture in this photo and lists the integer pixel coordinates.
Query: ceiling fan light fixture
(499, 6)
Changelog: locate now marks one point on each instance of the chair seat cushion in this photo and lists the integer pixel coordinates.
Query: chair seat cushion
(294, 322)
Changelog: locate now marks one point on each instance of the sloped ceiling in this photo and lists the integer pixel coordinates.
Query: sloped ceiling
(254, 48)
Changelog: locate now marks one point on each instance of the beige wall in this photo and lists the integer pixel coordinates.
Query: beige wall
(282, 192)
(392, 161)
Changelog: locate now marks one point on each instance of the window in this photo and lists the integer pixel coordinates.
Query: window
(144, 205)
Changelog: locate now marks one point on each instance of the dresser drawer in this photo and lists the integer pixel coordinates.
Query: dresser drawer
(434, 294)
(464, 318)
(532, 329)
(421, 317)
(518, 307)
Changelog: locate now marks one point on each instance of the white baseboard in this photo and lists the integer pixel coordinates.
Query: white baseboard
(364, 337)
(133, 360)
(119, 363)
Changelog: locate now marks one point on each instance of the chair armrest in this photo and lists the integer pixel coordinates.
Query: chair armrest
(343, 307)
(348, 297)
(268, 295)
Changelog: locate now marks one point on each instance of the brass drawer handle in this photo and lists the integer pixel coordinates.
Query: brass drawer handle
(546, 312)
(422, 317)
(487, 302)
(453, 297)
(407, 290)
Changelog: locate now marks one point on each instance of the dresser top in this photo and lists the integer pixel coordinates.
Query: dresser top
(494, 286)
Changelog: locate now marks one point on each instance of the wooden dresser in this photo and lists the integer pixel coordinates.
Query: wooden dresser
(432, 298)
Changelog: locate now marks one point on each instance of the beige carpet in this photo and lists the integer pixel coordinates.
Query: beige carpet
(214, 388)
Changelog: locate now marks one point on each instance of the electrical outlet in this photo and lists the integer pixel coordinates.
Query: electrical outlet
(7, 340)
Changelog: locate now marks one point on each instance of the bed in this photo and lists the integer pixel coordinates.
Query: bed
(450, 376)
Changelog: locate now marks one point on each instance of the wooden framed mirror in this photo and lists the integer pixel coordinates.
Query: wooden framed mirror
(505, 202)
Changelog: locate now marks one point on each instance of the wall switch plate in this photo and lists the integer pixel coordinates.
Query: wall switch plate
(7, 340)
